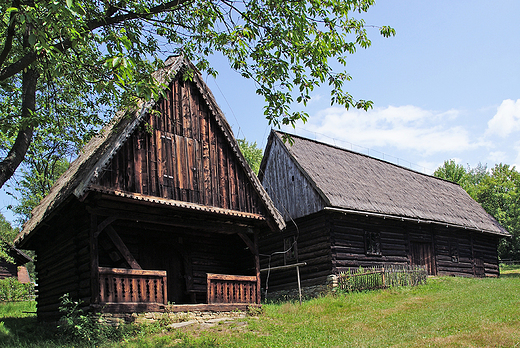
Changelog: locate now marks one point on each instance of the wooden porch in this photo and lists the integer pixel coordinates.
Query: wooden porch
(132, 290)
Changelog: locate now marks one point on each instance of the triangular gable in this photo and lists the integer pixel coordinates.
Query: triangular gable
(92, 169)
(180, 152)
(293, 192)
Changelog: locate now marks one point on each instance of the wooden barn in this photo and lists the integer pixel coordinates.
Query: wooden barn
(16, 268)
(345, 210)
(159, 209)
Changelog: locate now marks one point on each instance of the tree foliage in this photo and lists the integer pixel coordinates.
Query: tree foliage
(498, 191)
(65, 65)
(7, 236)
(252, 154)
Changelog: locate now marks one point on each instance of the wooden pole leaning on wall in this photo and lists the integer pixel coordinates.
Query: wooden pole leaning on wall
(297, 266)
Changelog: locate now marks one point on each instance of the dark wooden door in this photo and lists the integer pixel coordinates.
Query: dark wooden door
(422, 254)
(478, 267)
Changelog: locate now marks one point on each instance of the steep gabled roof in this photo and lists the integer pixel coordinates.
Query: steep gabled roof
(95, 156)
(361, 184)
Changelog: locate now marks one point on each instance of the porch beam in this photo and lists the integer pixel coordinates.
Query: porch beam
(120, 245)
(226, 227)
(104, 224)
(248, 242)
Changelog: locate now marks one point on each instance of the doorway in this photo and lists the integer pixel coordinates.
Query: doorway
(422, 255)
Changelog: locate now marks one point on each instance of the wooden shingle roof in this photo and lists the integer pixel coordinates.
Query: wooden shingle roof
(355, 182)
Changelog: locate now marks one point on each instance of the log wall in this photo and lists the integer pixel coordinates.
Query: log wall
(332, 242)
(181, 153)
(63, 263)
(8, 269)
(313, 247)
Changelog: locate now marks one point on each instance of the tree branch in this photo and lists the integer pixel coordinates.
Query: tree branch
(30, 57)
(24, 138)
(10, 34)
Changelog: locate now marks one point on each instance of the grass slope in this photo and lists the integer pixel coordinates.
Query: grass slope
(447, 312)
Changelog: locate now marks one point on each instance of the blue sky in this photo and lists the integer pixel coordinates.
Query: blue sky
(447, 86)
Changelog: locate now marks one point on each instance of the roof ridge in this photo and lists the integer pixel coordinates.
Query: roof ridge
(364, 155)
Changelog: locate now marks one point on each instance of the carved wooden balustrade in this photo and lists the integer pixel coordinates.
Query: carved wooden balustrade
(224, 288)
(119, 285)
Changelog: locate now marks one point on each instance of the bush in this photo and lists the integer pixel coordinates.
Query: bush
(381, 277)
(12, 290)
(80, 325)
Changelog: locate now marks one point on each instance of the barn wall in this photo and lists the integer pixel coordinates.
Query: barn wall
(181, 153)
(335, 242)
(289, 189)
(313, 247)
(348, 235)
(7, 269)
(63, 262)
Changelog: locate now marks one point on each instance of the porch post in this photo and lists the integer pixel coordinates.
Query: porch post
(257, 267)
(94, 261)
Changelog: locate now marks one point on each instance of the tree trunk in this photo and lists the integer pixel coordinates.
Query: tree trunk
(24, 138)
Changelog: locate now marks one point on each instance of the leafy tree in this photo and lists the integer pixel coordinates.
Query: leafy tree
(36, 182)
(498, 191)
(252, 154)
(67, 65)
(7, 236)
(452, 172)
(499, 195)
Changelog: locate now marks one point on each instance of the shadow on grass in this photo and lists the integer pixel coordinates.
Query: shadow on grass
(26, 332)
(510, 275)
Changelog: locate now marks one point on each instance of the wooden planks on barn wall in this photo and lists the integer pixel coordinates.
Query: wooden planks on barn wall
(186, 157)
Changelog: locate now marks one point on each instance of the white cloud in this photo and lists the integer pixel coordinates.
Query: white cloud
(497, 156)
(403, 127)
(506, 119)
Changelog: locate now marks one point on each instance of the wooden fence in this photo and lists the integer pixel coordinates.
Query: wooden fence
(119, 285)
(224, 288)
(358, 279)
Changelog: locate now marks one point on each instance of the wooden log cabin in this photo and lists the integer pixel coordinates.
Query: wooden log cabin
(16, 266)
(345, 210)
(159, 208)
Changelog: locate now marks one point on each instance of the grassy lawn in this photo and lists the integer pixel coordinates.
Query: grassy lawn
(447, 312)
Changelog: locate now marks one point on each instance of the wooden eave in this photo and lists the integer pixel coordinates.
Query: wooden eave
(113, 194)
(167, 212)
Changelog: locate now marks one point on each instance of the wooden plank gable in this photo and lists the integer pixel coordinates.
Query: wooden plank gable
(180, 152)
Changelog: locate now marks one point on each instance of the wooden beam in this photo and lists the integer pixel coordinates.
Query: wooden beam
(104, 224)
(120, 245)
(94, 260)
(248, 242)
(257, 267)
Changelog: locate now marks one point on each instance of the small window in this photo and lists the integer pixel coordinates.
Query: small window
(373, 243)
(291, 250)
(454, 252)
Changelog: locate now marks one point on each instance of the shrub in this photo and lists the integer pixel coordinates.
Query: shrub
(381, 277)
(12, 290)
(80, 325)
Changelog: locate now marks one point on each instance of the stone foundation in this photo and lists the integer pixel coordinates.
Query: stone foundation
(180, 318)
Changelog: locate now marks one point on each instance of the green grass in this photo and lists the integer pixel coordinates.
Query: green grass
(447, 312)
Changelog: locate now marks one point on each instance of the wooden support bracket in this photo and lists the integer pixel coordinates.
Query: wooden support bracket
(104, 225)
(120, 245)
(248, 242)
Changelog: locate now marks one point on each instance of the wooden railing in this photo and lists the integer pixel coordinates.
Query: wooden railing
(120, 285)
(224, 288)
